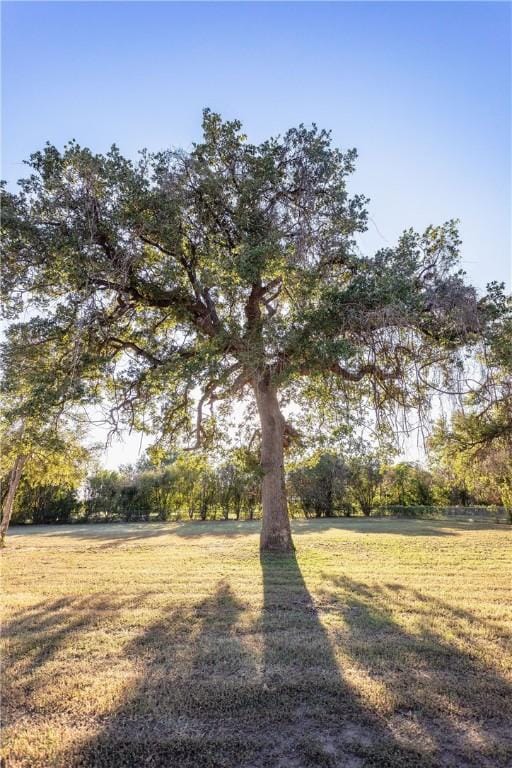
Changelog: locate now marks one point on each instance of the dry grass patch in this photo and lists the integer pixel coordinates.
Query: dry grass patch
(382, 643)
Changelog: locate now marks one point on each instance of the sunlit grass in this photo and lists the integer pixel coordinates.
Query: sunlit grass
(383, 643)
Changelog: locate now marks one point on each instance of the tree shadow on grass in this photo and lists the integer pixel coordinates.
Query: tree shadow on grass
(186, 667)
(371, 525)
(447, 689)
(196, 687)
(117, 533)
(319, 718)
(363, 525)
(36, 635)
(34, 638)
(220, 688)
(120, 534)
(458, 618)
(216, 685)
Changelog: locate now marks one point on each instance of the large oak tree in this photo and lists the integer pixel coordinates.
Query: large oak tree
(230, 268)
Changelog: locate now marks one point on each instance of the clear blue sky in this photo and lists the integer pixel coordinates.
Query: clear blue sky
(421, 89)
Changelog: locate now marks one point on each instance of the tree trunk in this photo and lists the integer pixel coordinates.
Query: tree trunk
(275, 530)
(14, 481)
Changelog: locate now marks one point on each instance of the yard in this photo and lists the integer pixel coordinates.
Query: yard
(383, 643)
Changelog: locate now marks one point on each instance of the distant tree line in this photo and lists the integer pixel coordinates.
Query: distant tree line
(191, 486)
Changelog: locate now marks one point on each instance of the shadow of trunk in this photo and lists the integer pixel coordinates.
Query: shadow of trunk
(315, 716)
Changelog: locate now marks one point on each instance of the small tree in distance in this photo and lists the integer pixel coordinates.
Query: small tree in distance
(365, 477)
(228, 269)
(320, 484)
(40, 456)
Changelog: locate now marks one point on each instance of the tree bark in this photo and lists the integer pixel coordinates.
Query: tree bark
(275, 530)
(14, 481)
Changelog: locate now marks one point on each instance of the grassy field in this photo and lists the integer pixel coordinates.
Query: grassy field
(382, 644)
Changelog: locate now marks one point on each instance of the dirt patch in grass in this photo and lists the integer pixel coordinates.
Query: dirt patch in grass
(382, 643)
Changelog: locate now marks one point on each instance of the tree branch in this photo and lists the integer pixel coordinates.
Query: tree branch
(364, 370)
(209, 396)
